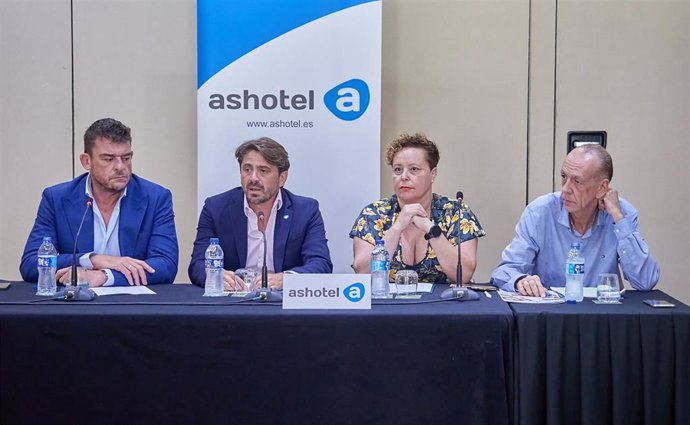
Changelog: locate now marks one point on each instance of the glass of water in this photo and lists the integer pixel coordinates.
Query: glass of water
(247, 276)
(82, 277)
(608, 289)
(406, 282)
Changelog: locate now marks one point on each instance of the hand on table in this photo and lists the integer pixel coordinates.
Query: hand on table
(531, 285)
(93, 277)
(232, 282)
(275, 281)
(133, 269)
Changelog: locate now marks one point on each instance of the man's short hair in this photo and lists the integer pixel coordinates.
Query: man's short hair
(273, 152)
(605, 160)
(106, 128)
(418, 140)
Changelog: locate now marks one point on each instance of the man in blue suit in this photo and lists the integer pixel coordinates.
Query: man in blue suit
(129, 235)
(294, 229)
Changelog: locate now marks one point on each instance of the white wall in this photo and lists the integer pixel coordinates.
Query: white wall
(35, 116)
(497, 84)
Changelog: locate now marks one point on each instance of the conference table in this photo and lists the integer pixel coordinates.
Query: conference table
(179, 357)
(603, 364)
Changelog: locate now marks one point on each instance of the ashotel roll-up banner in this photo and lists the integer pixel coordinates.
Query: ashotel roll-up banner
(306, 73)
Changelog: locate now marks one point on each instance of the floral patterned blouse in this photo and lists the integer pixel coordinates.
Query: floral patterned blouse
(378, 217)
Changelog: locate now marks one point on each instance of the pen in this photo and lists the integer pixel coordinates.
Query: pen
(552, 294)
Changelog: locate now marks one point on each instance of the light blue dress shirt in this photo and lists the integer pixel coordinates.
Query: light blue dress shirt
(543, 237)
(105, 238)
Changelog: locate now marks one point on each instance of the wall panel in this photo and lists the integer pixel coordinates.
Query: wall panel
(623, 67)
(458, 72)
(35, 115)
(136, 61)
(542, 89)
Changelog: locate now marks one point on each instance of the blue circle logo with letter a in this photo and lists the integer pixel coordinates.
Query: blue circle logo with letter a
(348, 100)
(354, 292)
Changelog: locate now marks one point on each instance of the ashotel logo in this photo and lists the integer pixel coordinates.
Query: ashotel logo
(354, 292)
(349, 100)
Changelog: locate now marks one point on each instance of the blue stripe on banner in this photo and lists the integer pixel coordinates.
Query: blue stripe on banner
(227, 30)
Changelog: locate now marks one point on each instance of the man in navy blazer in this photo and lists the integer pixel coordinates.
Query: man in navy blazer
(294, 229)
(128, 235)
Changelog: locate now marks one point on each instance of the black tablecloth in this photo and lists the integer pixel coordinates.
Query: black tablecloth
(592, 364)
(115, 361)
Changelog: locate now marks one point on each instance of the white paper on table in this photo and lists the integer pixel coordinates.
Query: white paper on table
(422, 288)
(122, 290)
(551, 297)
(589, 292)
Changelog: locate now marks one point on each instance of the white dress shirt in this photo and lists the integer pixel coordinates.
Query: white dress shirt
(105, 238)
(255, 246)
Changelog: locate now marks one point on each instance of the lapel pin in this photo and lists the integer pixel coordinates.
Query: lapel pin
(285, 217)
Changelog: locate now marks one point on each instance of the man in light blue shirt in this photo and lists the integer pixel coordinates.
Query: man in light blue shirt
(588, 211)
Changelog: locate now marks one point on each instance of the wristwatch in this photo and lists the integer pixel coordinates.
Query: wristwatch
(434, 232)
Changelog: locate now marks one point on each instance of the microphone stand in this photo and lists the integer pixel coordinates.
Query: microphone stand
(73, 292)
(265, 294)
(456, 290)
(73, 279)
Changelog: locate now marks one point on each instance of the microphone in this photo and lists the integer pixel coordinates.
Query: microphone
(264, 293)
(73, 280)
(457, 291)
(74, 292)
(458, 276)
(264, 269)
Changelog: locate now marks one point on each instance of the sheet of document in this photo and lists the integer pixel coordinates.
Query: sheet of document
(123, 290)
(552, 297)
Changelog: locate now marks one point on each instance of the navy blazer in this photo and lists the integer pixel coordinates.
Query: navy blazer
(300, 241)
(146, 228)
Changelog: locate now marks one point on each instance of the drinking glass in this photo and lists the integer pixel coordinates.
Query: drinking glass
(608, 289)
(246, 275)
(82, 278)
(406, 282)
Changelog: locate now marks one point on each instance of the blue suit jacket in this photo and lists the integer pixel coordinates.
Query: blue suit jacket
(146, 228)
(300, 241)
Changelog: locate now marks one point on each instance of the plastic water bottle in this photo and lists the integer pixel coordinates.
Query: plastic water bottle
(574, 274)
(214, 270)
(380, 265)
(47, 266)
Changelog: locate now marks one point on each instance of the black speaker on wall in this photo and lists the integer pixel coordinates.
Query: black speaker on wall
(579, 138)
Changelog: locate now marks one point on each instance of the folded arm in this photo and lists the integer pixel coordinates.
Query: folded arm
(204, 231)
(316, 257)
(44, 225)
(162, 252)
(518, 258)
(638, 265)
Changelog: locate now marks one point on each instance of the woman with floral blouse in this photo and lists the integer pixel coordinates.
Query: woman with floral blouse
(419, 227)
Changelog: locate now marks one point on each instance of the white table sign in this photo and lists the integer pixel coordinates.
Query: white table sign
(327, 291)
